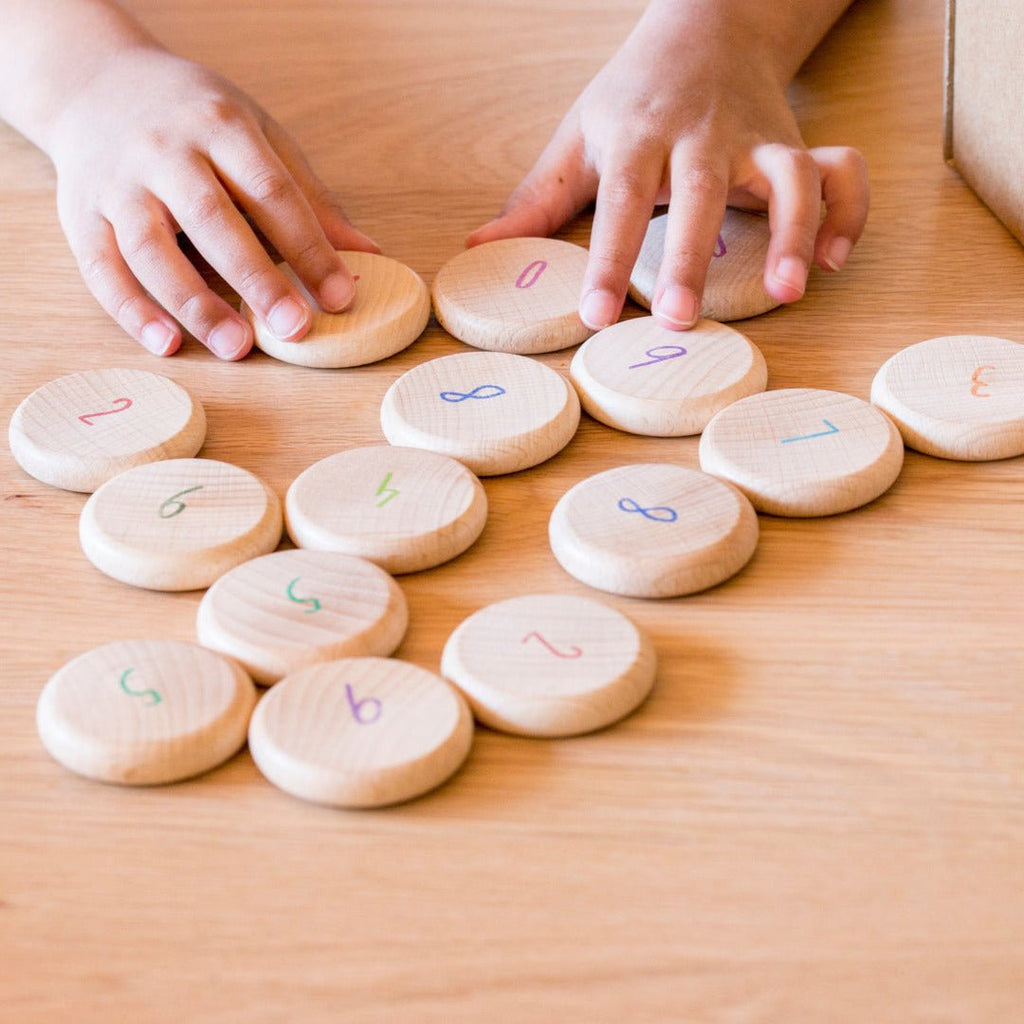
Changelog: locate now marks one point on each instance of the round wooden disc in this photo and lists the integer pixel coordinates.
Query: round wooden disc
(734, 288)
(80, 430)
(959, 397)
(145, 712)
(390, 311)
(179, 524)
(289, 609)
(360, 732)
(639, 376)
(550, 665)
(404, 509)
(493, 411)
(653, 530)
(803, 452)
(514, 295)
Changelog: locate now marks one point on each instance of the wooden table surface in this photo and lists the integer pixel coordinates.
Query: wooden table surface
(816, 816)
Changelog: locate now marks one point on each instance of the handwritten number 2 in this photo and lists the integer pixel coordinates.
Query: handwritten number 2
(121, 403)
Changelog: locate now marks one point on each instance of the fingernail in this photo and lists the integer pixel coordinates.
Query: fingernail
(791, 271)
(228, 339)
(157, 337)
(599, 309)
(287, 318)
(837, 252)
(336, 293)
(677, 305)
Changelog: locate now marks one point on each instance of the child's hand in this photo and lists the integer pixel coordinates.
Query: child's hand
(693, 114)
(154, 145)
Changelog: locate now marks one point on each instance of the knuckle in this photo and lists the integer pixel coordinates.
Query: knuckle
(626, 189)
(703, 181)
(207, 203)
(269, 185)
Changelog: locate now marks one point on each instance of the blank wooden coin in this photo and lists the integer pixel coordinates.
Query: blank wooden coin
(803, 452)
(639, 376)
(960, 397)
(550, 665)
(493, 411)
(653, 530)
(390, 311)
(404, 509)
(360, 732)
(734, 288)
(145, 712)
(514, 295)
(80, 430)
(289, 609)
(179, 524)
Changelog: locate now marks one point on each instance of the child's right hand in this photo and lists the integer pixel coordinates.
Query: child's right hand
(154, 145)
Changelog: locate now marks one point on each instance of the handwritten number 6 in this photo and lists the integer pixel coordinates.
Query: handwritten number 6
(173, 505)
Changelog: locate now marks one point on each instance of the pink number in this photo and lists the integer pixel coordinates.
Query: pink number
(121, 403)
(572, 652)
(528, 278)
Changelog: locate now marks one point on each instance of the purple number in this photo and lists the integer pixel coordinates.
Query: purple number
(358, 706)
(531, 272)
(720, 249)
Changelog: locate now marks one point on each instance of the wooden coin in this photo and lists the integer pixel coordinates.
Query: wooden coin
(639, 376)
(734, 288)
(360, 732)
(390, 311)
(803, 452)
(653, 530)
(514, 295)
(80, 430)
(550, 665)
(289, 609)
(404, 509)
(959, 397)
(179, 524)
(493, 411)
(145, 712)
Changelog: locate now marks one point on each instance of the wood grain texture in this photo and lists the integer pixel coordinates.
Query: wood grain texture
(816, 815)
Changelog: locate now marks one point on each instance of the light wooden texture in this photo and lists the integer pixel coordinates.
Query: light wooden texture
(80, 430)
(179, 524)
(514, 295)
(550, 664)
(360, 732)
(144, 712)
(405, 509)
(389, 312)
(493, 411)
(958, 397)
(803, 451)
(639, 376)
(653, 530)
(734, 288)
(815, 816)
(289, 609)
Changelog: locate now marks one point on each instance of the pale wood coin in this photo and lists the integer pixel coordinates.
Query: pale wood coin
(78, 431)
(493, 411)
(958, 397)
(550, 664)
(734, 288)
(644, 378)
(514, 295)
(179, 524)
(803, 452)
(390, 311)
(653, 530)
(405, 509)
(145, 712)
(360, 732)
(281, 612)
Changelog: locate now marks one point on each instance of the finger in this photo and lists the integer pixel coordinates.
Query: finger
(340, 231)
(794, 211)
(555, 189)
(118, 291)
(150, 250)
(696, 207)
(845, 189)
(625, 198)
(257, 179)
